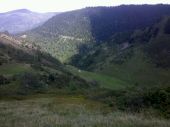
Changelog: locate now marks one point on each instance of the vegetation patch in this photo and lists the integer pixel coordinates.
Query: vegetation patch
(69, 112)
(104, 81)
(14, 68)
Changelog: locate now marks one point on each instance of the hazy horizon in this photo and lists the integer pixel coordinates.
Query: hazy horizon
(64, 5)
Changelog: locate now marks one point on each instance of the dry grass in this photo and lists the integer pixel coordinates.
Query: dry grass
(68, 112)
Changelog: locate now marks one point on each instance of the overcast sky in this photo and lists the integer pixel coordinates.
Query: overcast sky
(65, 5)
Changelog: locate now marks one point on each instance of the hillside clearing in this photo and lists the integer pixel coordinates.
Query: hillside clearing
(103, 80)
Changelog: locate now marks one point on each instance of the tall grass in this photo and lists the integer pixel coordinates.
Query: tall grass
(69, 112)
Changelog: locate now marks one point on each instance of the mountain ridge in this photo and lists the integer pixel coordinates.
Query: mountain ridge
(21, 20)
(90, 26)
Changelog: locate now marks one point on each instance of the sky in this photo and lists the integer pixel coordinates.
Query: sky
(66, 5)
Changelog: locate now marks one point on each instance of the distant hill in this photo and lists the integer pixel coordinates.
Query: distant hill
(63, 35)
(21, 20)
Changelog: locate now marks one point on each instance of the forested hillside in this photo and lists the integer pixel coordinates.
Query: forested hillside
(26, 70)
(63, 35)
(139, 57)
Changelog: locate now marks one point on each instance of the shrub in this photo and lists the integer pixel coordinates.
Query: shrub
(4, 80)
(32, 81)
(135, 100)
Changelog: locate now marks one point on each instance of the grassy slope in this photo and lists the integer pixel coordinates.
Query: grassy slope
(103, 80)
(14, 68)
(138, 70)
(9, 70)
(137, 64)
(68, 111)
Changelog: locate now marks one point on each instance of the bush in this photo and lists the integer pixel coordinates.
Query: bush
(32, 81)
(72, 86)
(135, 100)
(4, 80)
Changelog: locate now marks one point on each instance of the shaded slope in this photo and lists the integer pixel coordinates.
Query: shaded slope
(141, 58)
(106, 21)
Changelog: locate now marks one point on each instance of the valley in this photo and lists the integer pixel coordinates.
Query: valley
(91, 67)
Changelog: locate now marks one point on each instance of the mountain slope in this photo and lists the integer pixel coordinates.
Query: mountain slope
(140, 57)
(25, 70)
(129, 60)
(22, 20)
(63, 35)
